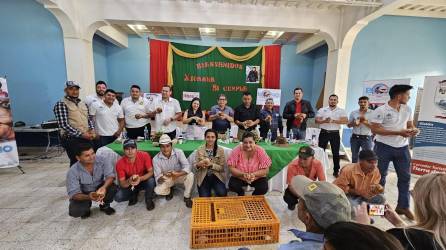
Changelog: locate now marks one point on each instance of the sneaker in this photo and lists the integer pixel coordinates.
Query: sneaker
(107, 209)
(170, 195)
(86, 215)
(406, 212)
(188, 202)
(133, 200)
(291, 206)
(150, 205)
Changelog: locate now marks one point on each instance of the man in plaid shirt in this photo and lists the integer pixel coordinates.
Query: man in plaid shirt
(74, 121)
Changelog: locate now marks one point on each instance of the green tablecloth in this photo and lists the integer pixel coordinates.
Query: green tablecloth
(280, 156)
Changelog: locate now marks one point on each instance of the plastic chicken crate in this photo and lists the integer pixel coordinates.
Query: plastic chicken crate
(233, 221)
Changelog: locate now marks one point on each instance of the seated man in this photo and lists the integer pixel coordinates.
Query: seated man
(360, 181)
(305, 165)
(171, 167)
(135, 173)
(321, 205)
(249, 165)
(90, 179)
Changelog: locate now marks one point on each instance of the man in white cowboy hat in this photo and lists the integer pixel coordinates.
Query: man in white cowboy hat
(170, 168)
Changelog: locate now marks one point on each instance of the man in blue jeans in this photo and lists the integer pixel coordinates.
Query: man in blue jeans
(135, 173)
(361, 133)
(393, 125)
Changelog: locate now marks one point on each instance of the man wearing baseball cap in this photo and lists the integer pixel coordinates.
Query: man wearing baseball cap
(321, 204)
(360, 181)
(135, 173)
(305, 165)
(74, 121)
(171, 167)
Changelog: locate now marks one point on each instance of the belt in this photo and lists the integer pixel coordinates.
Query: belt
(360, 136)
(329, 131)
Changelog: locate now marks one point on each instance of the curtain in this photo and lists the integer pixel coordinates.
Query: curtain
(158, 64)
(271, 68)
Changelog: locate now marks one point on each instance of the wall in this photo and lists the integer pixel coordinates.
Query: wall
(319, 68)
(100, 58)
(131, 65)
(33, 58)
(394, 47)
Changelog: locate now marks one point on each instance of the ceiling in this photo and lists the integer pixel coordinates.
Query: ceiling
(423, 8)
(295, 3)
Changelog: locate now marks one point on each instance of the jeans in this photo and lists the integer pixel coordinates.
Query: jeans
(80, 208)
(357, 200)
(298, 134)
(357, 143)
(401, 161)
(335, 142)
(105, 140)
(211, 182)
(260, 186)
(290, 198)
(124, 194)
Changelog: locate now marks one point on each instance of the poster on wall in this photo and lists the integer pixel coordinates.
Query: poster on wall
(430, 145)
(252, 74)
(188, 96)
(263, 94)
(152, 97)
(378, 90)
(9, 156)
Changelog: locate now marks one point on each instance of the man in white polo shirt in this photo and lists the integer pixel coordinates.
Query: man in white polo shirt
(108, 118)
(330, 120)
(393, 125)
(136, 113)
(166, 112)
(101, 87)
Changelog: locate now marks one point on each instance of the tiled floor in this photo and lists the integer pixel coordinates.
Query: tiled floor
(33, 215)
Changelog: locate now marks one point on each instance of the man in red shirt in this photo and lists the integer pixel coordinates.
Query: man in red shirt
(297, 113)
(305, 165)
(135, 173)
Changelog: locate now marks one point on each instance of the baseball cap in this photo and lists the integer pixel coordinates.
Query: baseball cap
(129, 143)
(325, 201)
(305, 152)
(69, 84)
(367, 155)
(165, 139)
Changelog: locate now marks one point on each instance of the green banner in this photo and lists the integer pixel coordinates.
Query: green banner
(213, 74)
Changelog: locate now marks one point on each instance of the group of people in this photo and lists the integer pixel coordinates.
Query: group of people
(379, 137)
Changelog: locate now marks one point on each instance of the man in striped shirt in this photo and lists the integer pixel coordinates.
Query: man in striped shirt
(74, 122)
(170, 168)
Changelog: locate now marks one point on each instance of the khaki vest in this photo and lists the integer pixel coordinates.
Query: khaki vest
(77, 115)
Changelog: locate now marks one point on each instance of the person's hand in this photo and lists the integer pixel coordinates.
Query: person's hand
(393, 217)
(166, 122)
(158, 110)
(95, 196)
(101, 191)
(200, 121)
(138, 116)
(221, 115)
(89, 135)
(406, 133)
(415, 131)
(117, 133)
(376, 189)
(328, 120)
(357, 122)
(207, 162)
(249, 123)
(361, 214)
(269, 118)
(135, 180)
(246, 177)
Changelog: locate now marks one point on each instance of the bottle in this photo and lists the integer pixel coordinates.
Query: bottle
(227, 136)
(291, 135)
(146, 134)
(124, 134)
(231, 139)
(313, 141)
(269, 136)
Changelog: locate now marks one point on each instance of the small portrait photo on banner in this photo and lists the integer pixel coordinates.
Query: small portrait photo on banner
(252, 74)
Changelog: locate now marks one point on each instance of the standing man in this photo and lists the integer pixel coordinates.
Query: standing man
(246, 117)
(135, 173)
(74, 122)
(171, 167)
(90, 179)
(270, 120)
(297, 112)
(393, 125)
(330, 120)
(108, 118)
(136, 112)
(101, 87)
(166, 112)
(221, 116)
(361, 133)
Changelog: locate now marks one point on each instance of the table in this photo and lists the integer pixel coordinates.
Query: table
(38, 130)
(280, 156)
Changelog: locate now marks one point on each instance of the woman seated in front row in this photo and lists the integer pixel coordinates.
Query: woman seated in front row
(249, 165)
(210, 161)
(194, 117)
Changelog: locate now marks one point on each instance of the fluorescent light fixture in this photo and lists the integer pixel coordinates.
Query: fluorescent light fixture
(274, 34)
(207, 31)
(138, 27)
